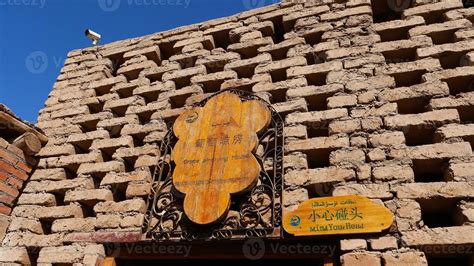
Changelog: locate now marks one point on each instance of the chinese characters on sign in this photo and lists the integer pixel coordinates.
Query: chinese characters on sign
(214, 154)
(337, 215)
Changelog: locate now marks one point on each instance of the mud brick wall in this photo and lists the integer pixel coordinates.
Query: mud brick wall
(378, 100)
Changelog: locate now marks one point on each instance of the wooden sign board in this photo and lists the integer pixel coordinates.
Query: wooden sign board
(214, 154)
(337, 215)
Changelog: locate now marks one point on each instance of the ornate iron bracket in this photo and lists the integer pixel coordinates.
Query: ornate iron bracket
(257, 213)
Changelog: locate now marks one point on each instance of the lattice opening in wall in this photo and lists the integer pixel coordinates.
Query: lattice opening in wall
(256, 213)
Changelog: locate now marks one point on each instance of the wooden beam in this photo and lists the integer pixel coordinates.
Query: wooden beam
(9, 121)
(29, 143)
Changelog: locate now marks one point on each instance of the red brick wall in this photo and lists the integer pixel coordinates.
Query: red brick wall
(14, 171)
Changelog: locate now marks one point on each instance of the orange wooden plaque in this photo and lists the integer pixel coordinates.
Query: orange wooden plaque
(337, 215)
(214, 154)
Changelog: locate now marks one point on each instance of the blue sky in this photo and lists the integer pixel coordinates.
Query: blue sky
(36, 35)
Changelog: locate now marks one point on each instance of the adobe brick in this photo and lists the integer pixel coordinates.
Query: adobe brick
(141, 130)
(287, 107)
(187, 73)
(144, 161)
(119, 106)
(100, 169)
(455, 131)
(43, 199)
(341, 101)
(152, 53)
(280, 50)
(279, 12)
(150, 149)
(423, 65)
(346, 13)
(59, 187)
(89, 121)
(167, 115)
(395, 27)
(372, 83)
(126, 206)
(109, 146)
(69, 254)
(318, 143)
(16, 239)
(316, 116)
(313, 69)
(364, 60)
(440, 28)
(88, 197)
(278, 87)
(207, 41)
(212, 80)
(383, 110)
(445, 49)
(393, 172)
(265, 27)
(145, 112)
(428, 89)
(428, 9)
(308, 177)
(388, 139)
(108, 221)
(70, 161)
(19, 224)
(344, 126)
(353, 244)
(13, 255)
(103, 86)
(132, 221)
(132, 70)
(449, 190)
(48, 213)
(290, 18)
(406, 258)
(49, 174)
(460, 172)
(157, 72)
(433, 151)
(372, 191)
(137, 190)
(455, 235)
(433, 118)
(123, 178)
(347, 156)
(84, 140)
(56, 150)
(280, 65)
(295, 161)
(358, 258)
(152, 92)
(462, 100)
(250, 48)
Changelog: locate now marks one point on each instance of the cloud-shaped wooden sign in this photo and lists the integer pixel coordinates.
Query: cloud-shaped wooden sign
(337, 215)
(214, 155)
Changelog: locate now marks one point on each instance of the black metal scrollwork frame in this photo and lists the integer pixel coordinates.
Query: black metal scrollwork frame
(257, 213)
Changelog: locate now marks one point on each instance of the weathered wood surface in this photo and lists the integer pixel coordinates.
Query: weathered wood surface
(337, 215)
(214, 154)
(29, 143)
